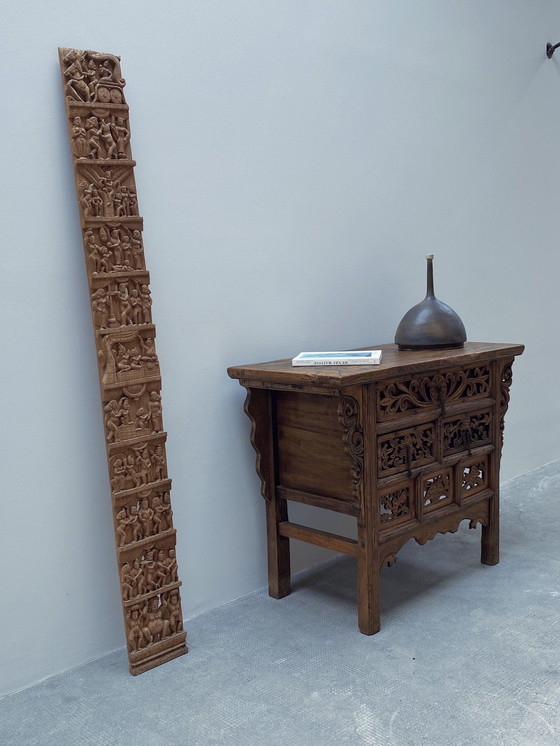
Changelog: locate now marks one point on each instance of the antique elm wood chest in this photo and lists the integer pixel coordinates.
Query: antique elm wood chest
(410, 447)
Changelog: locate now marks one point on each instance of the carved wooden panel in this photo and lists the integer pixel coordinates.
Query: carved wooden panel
(353, 438)
(396, 504)
(436, 490)
(405, 449)
(474, 475)
(409, 395)
(129, 374)
(506, 377)
(466, 432)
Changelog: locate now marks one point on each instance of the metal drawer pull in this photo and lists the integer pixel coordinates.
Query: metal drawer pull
(467, 438)
(441, 398)
(409, 460)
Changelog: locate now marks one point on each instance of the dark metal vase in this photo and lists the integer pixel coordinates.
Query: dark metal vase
(430, 324)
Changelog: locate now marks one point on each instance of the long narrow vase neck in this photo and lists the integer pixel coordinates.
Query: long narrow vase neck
(430, 276)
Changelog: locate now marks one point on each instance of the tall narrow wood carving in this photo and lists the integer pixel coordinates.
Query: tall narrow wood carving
(121, 303)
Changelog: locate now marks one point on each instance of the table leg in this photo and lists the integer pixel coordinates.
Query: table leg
(490, 543)
(368, 582)
(279, 573)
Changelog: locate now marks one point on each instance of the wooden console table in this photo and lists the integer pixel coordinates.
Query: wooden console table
(410, 447)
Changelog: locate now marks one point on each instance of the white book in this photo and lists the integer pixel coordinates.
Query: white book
(339, 357)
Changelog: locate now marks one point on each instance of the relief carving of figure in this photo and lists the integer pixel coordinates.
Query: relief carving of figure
(136, 637)
(143, 467)
(167, 512)
(106, 135)
(78, 136)
(99, 303)
(124, 411)
(122, 522)
(135, 524)
(92, 137)
(130, 471)
(158, 462)
(90, 201)
(105, 72)
(128, 582)
(76, 86)
(137, 249)
(118, 481)
(121, 209)
(122, 137)
(95, 259)
(171, 567)
(112, 420)
(136, 358)
(118, 202)
(90, 74)
(162, 513)
(135, 302)
(126, 253)
(127, 359)
(146, 515)
(137, 578)
(173, 612)
(114, 245)
(124, 303)
(150, 570)
(156, 627)
(162, 577)
(146, 303)
(132, 201)
(155, 410)
(93, 77)
(105, 260)
(93, 251)
(149, 353)
(107, 190)
(142, 419)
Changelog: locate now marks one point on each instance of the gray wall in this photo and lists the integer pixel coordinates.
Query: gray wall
(297, 159)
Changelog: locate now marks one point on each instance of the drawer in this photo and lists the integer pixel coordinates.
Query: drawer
(397, 504)
(401, 397)
(467, 431)
(474, 475)
(406, 449)
(437, 489)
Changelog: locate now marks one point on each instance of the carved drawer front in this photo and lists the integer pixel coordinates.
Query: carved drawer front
(436, 490)
(468, 431)
(406, 449)
(396, 504)
(474, 475)
(405, 396)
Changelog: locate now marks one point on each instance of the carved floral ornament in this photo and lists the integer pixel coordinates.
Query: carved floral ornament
(405, 449)
(396, 504)
(474, 476)
(419, 392)
(353, 437)
(505, 385)
(437, 489)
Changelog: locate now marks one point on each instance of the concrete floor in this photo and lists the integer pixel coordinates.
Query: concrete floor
(467, 654)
